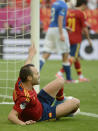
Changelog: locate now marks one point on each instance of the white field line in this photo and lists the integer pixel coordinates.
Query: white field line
(6, 103)
(88, 114)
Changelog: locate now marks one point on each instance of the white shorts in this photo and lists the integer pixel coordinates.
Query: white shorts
(53, 44)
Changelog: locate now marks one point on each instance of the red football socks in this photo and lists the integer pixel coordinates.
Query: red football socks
(60, 95)
(78, 67)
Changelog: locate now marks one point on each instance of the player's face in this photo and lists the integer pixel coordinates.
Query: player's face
(36, 76)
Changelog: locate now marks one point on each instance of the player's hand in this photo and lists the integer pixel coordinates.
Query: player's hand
(62, 37)
(69, 29)
(30, 122)
(32, 50)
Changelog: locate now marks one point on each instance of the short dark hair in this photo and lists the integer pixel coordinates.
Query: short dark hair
(80, 2)
(25, 71)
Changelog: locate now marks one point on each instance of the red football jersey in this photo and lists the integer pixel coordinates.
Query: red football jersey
(76, 21)
(26, 103)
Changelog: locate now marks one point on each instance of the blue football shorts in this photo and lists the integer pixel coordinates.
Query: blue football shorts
(49, 111)
(74, 50)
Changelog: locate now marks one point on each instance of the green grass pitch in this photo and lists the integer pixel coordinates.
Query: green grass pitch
(86, 92)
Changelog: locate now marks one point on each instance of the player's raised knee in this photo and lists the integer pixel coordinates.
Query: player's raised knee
(76, 102)
(60, 81)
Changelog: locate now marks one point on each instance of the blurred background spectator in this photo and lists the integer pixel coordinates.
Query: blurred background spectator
(2, 3)
(16, 15)
(93, 4)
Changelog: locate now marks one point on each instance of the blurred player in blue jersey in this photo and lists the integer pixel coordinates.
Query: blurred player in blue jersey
(57, 37)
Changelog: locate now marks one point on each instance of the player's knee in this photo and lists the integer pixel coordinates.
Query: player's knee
(9, 117)
(60, 81)
(76, 102)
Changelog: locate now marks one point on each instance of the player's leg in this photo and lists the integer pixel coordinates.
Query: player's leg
(66, 66)
(75, 54)
(71, 61)
(53, 87)
(60, 98)
(65, 57)
(60, 95)
(67, 108)
(60, 73)
(44, 57)
(49, 46)
(77, 66)
(64, 49)
(71, 58)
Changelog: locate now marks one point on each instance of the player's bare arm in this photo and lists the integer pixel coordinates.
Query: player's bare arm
(85, 30)
(31, 54)
(13, 117)
(60, 24)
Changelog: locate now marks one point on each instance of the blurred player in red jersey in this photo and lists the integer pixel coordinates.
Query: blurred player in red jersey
(30, 107)
(77, 22)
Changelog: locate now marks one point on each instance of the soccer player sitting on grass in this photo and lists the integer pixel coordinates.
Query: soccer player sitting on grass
(30, 107)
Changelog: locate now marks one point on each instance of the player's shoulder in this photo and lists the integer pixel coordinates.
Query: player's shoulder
(18, 91)
(19, 84)
(19, 87)
(71, 13)
(78, 13)
(63, 4)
